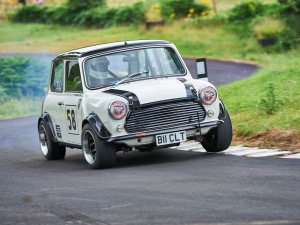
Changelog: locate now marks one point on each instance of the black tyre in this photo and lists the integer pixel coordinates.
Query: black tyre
(97, 153)
(50, 149)
(219, 138)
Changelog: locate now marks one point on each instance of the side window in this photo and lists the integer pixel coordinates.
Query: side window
(73, 78)
(57, 77)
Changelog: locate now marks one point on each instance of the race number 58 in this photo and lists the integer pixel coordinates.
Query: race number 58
(71, 117)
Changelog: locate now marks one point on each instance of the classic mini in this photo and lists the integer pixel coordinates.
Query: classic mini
(131, 95)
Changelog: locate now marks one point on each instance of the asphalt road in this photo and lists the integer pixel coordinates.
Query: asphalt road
(166, 186)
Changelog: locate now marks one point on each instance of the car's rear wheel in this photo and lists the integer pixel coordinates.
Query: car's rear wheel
(97, 153)
(219, 138)
(50, 149)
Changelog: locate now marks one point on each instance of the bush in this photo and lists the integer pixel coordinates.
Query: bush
(90, 17)
(58, 15)
(103, 17)
(288, 38)
(245, 12)
(290, 6)
(130, 14)
(268, 27)
(81, 5)
(30, 13)
(181, 9)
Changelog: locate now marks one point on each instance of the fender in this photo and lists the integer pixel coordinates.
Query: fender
(45, 117)
(97, 126)
(222, 113)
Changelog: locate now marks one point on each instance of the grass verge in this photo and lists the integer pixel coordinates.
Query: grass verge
(26, 106)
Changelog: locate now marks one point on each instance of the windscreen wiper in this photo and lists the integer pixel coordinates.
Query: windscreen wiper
(131, 75)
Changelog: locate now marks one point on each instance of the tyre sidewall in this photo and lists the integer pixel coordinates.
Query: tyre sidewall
(105, 152)
(222, 136)
(55, 151)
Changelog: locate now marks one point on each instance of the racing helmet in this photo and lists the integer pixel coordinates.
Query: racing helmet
(100, 64)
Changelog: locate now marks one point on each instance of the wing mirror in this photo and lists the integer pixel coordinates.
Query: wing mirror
(201, 69)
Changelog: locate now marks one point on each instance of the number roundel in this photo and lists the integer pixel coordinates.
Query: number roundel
(71, 119)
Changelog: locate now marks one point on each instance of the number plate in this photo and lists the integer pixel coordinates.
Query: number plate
(170, 138)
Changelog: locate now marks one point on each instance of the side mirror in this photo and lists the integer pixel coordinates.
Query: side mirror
(201, 69)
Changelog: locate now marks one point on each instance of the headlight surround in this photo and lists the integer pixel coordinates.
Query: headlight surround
(208, 95)
(117, 109)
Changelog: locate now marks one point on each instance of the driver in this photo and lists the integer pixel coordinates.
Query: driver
(99, 71)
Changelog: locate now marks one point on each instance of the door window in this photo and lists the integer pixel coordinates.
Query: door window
(57, 77)
(73, 78)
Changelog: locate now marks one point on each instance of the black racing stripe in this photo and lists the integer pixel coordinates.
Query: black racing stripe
(189, 88)
(131, 97)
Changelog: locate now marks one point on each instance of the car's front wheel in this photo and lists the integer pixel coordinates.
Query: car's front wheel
(219, 138)
(50, 149)
(97, 153)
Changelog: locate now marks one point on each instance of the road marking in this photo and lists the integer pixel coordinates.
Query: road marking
(292, 156)
(241, 151)
(269, 153)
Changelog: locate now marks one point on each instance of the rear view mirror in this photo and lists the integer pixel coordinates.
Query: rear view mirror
(201, 69)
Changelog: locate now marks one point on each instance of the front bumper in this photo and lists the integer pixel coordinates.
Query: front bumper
(127, 139)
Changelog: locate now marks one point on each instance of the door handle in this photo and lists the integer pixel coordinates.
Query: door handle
(60, 103)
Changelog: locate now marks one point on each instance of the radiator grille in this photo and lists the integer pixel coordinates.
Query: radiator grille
(164, 116)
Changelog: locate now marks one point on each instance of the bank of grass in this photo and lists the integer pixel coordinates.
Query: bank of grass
(252, 106)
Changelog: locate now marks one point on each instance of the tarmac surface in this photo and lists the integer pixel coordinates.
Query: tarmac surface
(169, 186)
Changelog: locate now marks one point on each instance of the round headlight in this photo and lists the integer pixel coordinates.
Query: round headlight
(117, 110)
(208, 95)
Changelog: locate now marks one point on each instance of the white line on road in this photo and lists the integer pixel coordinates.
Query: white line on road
(241, 151)
(292, 156)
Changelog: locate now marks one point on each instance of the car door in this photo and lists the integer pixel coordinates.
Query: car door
(72, 98)
(53, 103)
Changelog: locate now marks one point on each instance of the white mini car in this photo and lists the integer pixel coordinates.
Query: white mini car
(132, 95)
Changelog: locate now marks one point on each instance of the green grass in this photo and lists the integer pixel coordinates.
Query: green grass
(192, 41)
(13, 108)
(243, 98)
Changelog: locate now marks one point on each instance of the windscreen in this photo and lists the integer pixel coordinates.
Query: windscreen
(133, 65)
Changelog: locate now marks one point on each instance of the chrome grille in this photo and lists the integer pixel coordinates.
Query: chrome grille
(164, 116)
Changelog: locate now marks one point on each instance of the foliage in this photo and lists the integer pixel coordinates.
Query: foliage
(245, 12)
(180, 9)
(290, 13)
(81, 5)
(290, 6)
(21, 76)
(91, 17)
(103, 17)
(267, 20)
(130, 14)
(30, 13)
(288, 38)
(153, 12)
(240, 18)
(268, 27)
(269, 104)
(96, 15)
